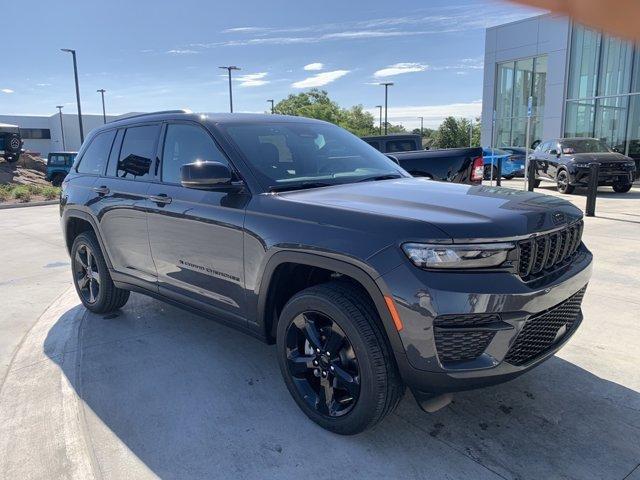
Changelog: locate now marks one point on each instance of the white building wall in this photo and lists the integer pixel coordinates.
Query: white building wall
(542, 35)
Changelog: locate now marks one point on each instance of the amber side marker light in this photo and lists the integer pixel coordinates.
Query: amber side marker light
(394, 313)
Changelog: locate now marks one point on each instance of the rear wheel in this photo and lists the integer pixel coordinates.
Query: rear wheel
(487, 172)
(91, 276)
(335, 360)
(562, 181)
(57, 179)
(621, 187)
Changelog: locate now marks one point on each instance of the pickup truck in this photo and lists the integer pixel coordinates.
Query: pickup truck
(458, 165)
(298, 233)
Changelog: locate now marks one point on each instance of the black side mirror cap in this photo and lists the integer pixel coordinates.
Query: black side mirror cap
(205, 175)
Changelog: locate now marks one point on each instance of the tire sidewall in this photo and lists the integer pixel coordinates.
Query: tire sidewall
(622, 187)
(360, 415)
(92, 243)
(567, 187)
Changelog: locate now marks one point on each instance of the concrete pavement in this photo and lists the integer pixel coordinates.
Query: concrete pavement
(155, 392)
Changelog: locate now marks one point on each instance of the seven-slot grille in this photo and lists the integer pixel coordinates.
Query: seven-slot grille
(544, 330)
(546, 251)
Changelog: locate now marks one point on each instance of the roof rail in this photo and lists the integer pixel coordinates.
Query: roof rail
(183, 110)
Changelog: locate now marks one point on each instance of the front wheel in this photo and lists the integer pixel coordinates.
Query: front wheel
(335, 360)
(91, 276)
(622, 187)
(487, 172)
(562, 181)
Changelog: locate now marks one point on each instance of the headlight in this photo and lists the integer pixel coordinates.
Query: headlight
(582, 165)
(458, 256)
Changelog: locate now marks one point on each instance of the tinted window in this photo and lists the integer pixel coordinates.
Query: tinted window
(95, 156)
(374, 144)
(588, 145)
(186, 144)
(400, 146)
(285, 154)
(56, 160)
(136, 154)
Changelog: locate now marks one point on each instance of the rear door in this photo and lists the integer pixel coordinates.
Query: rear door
(122, 203)
(196, 236)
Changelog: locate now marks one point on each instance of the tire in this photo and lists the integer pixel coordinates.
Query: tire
(536, 183)
(94, 285)
(57, 179)
(487, 172)
(622, 187)
(343, 319)
(562, 182)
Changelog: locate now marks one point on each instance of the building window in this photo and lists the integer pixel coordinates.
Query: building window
(517, 81)
(35, 133)
(604, 90)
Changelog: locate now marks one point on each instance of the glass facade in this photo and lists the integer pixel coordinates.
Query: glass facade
(516, 82)
(603, 95)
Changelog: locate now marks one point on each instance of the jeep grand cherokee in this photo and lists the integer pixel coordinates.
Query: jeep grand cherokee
(299, 233)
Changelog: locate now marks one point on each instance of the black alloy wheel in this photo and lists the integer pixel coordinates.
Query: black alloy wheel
(562, 181)
(622, 187)
(322, 364)
(86, 274)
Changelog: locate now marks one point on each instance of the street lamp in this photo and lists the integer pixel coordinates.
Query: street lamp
(104, 113)
(386, 98)
(421, 125)
(379, 107)
(271, 102)
(75, 73)
(60, 107)
(228, 69)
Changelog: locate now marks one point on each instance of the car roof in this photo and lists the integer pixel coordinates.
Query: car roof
(63, 153)
(214, 118)
(577, 138)
(391, 136)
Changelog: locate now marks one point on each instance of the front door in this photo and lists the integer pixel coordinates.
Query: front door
(196, 236)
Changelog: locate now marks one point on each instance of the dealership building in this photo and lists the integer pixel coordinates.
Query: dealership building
(43, 133)
(583, 83)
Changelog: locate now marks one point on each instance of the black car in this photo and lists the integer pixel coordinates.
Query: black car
(566, 161)
(300, 234)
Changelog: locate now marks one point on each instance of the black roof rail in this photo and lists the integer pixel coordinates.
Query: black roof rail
(183, 110)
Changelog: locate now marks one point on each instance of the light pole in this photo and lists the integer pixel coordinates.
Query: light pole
(379, 107)
(104, 113)
(421, 125)
(60, 107)
(75, 74)
(271, 102)
(228, 69)
(386, 102)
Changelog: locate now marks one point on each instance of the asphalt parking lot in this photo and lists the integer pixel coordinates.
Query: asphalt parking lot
(156, 392)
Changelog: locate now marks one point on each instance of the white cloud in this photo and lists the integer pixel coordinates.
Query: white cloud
(177, 51)
(433, 114)
(43, 84)
(252, 79)
(6, 90)
(320, 79)
(400, 68)
(314, 66)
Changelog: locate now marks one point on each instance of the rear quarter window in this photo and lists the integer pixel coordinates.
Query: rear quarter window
(94, 159)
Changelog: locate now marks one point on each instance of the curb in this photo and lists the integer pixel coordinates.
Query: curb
(28, 204)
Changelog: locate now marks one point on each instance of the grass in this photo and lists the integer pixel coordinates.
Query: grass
(25, 193)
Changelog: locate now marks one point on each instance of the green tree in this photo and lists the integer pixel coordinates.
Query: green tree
(454, 133)
(357, 121)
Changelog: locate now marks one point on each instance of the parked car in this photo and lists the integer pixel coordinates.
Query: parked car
(58, 165)
(10, 142)
(300, 234)
(491, 157)
(516, 163)
(395, 143)
(566, 161)
(459, 165)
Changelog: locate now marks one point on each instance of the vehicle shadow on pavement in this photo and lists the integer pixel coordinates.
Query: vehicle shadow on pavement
(171, 394)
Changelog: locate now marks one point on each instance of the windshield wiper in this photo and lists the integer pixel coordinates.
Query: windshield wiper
(299, 186)
(386, 176)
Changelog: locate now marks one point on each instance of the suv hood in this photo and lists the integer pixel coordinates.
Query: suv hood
(463, 212)
(612, 157)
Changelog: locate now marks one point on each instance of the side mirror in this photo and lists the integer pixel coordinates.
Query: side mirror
(205, 175)
(554, 152)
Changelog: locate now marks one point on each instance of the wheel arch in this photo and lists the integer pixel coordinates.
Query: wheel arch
(76, 221)
(270, 283)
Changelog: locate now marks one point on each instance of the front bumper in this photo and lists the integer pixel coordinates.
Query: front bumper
(423, 298)
(580, 176)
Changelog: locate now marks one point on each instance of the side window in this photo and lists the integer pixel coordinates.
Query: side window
(94, 158)
(136, 154)
(186, 144)
(400, 146)
(374, 144)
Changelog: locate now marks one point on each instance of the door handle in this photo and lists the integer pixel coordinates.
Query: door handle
(162, 198)
(102, 190)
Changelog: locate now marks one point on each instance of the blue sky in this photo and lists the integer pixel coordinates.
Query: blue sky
(152, 55)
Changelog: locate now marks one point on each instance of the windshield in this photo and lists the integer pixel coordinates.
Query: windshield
(287, 155)
(587, 145)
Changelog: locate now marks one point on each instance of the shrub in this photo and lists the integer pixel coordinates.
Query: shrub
(22, 193)
(50, 192)
(34, 189)
(5, 194)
